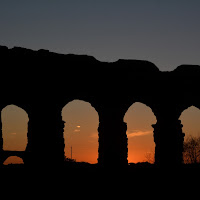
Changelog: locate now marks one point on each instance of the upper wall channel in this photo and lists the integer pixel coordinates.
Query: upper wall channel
(44, 77)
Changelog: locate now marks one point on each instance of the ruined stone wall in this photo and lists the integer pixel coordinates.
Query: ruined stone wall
(42, 83)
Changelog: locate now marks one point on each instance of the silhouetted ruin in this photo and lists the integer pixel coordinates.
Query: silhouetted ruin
(42, 83)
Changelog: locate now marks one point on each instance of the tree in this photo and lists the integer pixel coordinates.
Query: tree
(191, 150)
(150, 157)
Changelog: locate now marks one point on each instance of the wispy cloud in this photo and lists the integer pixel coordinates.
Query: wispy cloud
(136, 133)
(77, 130)
(13, 133)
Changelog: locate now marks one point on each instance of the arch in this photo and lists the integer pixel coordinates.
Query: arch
(14, 128)
(141, 147)
(80, 132)
(190, 120)
(13, 160)
(191, 128)
(14, 138)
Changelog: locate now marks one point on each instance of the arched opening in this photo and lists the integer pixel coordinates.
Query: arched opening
(191, 128)
(141, 146)
(13, 160)
(80, 133)
(14, 128)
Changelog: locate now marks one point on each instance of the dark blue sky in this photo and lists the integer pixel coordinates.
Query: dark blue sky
(166, 33)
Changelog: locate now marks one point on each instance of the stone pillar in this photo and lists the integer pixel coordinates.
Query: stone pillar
(45, 138)
(29, 158)
(36, 150)
(59, 138)
(1, 144)
(1, 137)
(168, 137)
(112, 139)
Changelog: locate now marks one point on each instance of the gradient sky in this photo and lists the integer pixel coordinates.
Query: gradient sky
(163, 32)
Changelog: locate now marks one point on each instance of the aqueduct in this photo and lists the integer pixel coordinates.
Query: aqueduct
(43, 82)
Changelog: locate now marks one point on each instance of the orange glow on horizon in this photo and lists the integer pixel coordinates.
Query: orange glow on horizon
(139, 119)
(13, 160)
(81, 133)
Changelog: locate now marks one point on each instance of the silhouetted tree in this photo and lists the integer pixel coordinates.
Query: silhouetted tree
(191, 152)
(150, 157)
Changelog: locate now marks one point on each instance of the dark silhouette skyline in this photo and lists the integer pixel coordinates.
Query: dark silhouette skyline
(163, 32)
(42, 83)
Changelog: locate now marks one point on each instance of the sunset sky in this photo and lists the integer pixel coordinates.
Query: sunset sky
(81, 133)
(163, 32)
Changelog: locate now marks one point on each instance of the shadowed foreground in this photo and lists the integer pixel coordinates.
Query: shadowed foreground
(95, 167)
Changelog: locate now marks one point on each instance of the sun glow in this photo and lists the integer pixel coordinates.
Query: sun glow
(81, 130)
(84, 136)
(139, 119)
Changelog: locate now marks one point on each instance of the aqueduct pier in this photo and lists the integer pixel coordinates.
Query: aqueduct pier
(43, 82)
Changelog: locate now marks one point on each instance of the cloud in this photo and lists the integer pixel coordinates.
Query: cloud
(77, 130)
(136, 133)
(13, 133)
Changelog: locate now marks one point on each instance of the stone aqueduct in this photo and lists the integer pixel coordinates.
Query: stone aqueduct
(42, 83)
